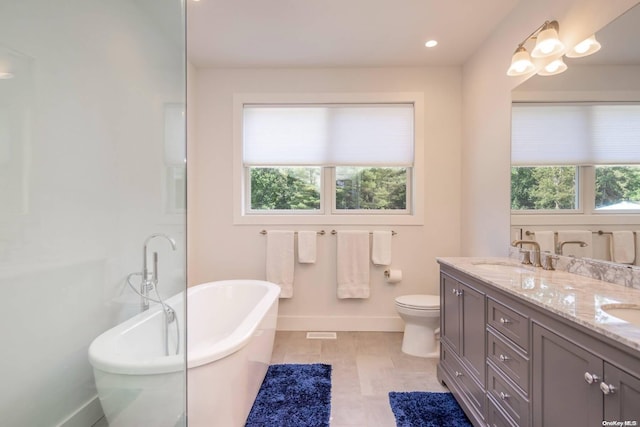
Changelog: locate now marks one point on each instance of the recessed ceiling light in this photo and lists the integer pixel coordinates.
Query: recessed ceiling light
(431, 43)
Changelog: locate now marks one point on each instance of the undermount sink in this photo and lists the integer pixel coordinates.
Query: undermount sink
(627, 312)
(503, 267)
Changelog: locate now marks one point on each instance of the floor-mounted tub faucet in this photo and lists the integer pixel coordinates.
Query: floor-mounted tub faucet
(150, 278)
(536, 253)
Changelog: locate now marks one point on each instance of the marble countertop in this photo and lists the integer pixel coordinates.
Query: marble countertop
(571, 296)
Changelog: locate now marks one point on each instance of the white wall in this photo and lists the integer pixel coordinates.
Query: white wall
(221, 250)
(87, 157)
(487, 118)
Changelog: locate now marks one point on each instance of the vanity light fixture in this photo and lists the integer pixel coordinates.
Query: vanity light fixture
(520, 63)
(584, 48)
(547, 41)
(431, 43)
(556, 66)
(547, 45)
(5, 75)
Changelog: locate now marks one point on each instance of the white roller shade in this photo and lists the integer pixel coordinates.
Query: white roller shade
(375, 134)
(575, 134)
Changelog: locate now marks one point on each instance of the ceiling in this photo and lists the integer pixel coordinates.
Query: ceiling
(338, 33)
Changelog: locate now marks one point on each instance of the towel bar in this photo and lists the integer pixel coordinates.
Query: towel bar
(599, 232)
(334, 232)
(321, 232)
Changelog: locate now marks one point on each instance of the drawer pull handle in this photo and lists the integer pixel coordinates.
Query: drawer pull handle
(591, 378)
(458, 374)
(456, 292)
(607, 388)
(503, 395)
(504, 321)
(504, 358)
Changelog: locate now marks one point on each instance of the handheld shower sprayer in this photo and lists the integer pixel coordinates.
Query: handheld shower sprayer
(150, 279)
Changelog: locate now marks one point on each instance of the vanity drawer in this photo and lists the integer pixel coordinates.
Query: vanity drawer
(508, 398)
(473, 393)
(508, 322)
(508, 359)
(497, 418)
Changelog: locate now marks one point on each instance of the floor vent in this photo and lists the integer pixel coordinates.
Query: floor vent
(322, 335)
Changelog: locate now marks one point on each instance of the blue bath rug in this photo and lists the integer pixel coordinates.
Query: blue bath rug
(293, 395)
(424, 409)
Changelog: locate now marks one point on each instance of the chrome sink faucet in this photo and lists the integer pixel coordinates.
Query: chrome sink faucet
(150, 278)
(536, 253)
(560, 245)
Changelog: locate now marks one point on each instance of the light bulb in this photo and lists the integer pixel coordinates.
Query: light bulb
(520, 63)
(556, 66)
(548, 42)
(585, 47)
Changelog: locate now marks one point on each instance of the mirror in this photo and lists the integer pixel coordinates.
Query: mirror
(608, 77)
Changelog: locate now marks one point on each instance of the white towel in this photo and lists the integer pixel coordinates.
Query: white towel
(353, 264)
(381, 251)
(547, 241)
(623, 247)
(307, 247)
(575, 249)
(280, 260)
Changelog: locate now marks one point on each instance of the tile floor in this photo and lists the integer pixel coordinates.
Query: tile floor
(366, 367)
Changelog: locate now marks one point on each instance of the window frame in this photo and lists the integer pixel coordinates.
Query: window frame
(329, 215)
(587, 214)
(585, 195)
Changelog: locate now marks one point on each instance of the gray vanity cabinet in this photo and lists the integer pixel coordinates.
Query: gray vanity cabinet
(561, 395)
(511, 363)
(463, 328)
(462, 331)
(450, 312)
(624, 402)
(573, 386)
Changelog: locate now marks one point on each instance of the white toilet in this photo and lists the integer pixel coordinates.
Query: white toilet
(421, 315)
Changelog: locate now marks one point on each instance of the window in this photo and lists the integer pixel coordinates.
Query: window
(617, 187)
(544, 188)
(575, 157)
(284, 189)
(325, 162)
(371, 188)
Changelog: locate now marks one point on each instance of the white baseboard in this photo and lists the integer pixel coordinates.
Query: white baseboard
(340, 323)
(86, 415)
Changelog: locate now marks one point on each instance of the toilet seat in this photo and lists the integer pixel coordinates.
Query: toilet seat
(419, 302)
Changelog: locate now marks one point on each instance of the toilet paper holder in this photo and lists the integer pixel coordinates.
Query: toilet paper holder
(392, 276)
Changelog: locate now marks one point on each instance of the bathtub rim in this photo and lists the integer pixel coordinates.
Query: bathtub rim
(102, 358)
(245, 329)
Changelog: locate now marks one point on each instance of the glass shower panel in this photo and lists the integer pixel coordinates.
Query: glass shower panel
(91, 165)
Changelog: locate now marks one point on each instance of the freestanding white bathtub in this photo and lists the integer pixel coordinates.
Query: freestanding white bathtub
(230, 332)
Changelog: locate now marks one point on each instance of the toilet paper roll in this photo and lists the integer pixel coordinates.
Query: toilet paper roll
(393, 276)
